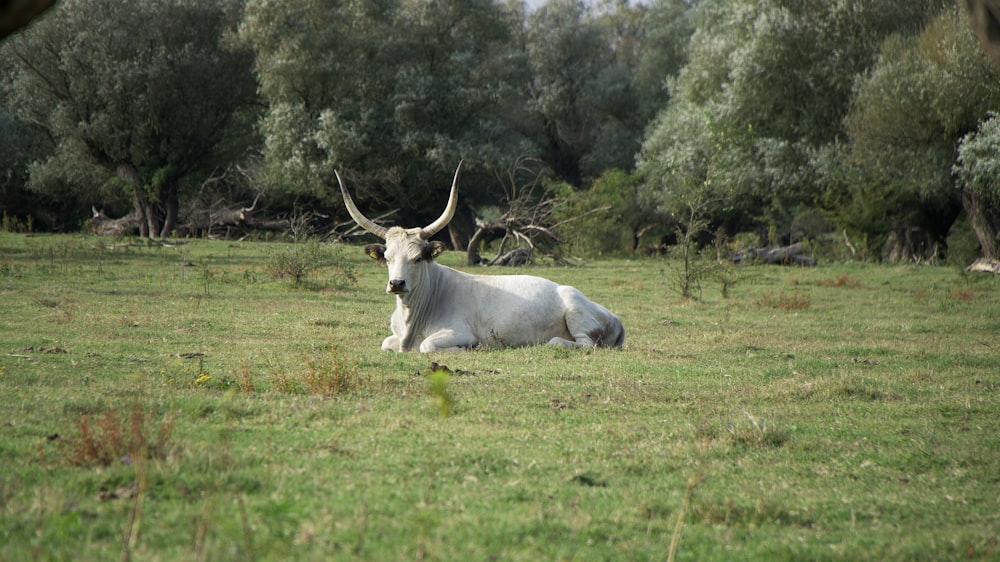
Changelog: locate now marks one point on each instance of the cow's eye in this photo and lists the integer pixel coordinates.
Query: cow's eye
(418, 259)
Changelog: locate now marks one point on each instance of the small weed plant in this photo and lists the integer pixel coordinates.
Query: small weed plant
(110, 437)
(330, 374)
(964, 294)
(323, 374)
(244, 377)
(749, 430)
(438, 382)
(296, 262)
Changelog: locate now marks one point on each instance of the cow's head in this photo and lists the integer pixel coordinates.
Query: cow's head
(406, 250)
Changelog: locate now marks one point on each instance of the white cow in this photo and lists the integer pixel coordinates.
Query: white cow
(442, 309)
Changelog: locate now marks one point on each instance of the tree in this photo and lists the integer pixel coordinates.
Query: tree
(656, 51)
(907, 116)
(140, 99)
(765, 88)
(20, 144)
(566, 51)
(17, 14)
(597, 79)
(392, 94)
(978, 173)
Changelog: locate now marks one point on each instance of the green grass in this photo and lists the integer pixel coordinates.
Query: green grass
(845, 412)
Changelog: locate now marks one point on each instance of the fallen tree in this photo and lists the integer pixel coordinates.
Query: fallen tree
(104, 225)
(523, 233)
(985, 265)
(527, 223)
(785, 255)
(218, 210)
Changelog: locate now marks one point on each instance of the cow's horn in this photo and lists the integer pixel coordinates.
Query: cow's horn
(449, 211)
(363, 221)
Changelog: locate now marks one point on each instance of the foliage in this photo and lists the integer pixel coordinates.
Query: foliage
(907, 115)
(397, 93)
(694, 267)
(597, 80)
(765, 88)
(22, 144)
(777, 112)
(978, 164)
(143, 117)
(616, 214)
(394, 92)
(977, 170)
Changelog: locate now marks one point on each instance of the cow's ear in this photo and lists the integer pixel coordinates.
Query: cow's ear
(434, 249)
(376, 252)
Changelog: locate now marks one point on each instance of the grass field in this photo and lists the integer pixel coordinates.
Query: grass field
(181, 403)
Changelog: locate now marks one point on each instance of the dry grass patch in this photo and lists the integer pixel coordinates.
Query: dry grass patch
(111, 437)
(785, 301)
(842, 280)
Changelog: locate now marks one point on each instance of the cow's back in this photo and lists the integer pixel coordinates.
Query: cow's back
(515, 310)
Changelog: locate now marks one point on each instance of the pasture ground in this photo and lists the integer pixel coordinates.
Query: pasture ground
(179, 403)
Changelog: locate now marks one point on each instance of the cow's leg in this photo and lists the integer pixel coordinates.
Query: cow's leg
(447, 340)
(568, 343)
(591, 332)
(397, 324)
(589, 323)
(581, 322)
(583, 327)
(390, 343)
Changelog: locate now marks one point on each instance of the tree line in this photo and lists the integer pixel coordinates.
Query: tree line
(869, 121)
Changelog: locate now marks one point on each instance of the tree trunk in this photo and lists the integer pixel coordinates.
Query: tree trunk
(141, 208)
(485, 233)
(158, 214)
(127, 173)
(637, 234)
(154, 216)
(461, 227)
(914, 244)
(983, 222)
(171, 208)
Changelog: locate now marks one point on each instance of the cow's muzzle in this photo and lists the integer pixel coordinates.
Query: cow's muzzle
(397, 287)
